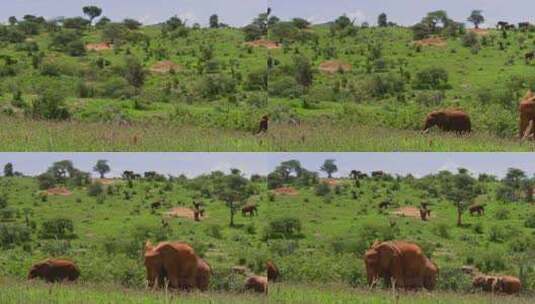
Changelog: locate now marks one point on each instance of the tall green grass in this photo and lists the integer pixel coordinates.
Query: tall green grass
(30, 135)
(34, 293)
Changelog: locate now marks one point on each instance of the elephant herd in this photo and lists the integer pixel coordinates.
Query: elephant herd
(175, 265)
(404, 265)
(459, 121)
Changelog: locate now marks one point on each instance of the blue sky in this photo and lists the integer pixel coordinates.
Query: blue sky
(240, 12)
(193, 164)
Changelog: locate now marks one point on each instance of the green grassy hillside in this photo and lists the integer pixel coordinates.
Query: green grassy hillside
(328, 230)
(218, 83)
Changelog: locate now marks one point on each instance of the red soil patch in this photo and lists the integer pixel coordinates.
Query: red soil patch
(98, 47)
(62, 191)
(480, 32)
(408, 211)
(286, 191)
(331, 181)
(433, 41)
(105, 181)
(181, 212)
(333, 66)
(165, 67)
(264, 43)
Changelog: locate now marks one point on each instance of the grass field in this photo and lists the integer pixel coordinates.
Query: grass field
(35, 293)
(220, 87)
(110, 229)
(20, 134)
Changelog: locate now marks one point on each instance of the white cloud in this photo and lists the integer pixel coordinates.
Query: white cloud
(358, 15)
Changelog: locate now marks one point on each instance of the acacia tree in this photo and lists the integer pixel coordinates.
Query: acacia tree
(214, 21)
(329, 167)
(102, 167)
(92, 12)
(476, 17)
(461, 189)
(234, 190)
(8, 170)
(382, 20)
(303, 72)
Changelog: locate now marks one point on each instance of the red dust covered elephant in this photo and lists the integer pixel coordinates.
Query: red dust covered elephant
(449, 121)
(400, 262)
(54, 270)
(174, 261)
(526, 110)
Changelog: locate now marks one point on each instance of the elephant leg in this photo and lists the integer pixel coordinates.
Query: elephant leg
(524, 121)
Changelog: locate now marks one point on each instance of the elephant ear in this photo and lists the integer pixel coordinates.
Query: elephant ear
(375, 244)
(148, 246)
(529, 95)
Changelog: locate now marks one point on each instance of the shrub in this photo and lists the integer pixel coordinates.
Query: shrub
(502, 214)
(454, 279)
(13, 234)
(322, 189)
(530, 221)
(284, 87)
(57, 228)
(490, 261)
(50, 105)
(215, 231)
(442, 230)
(284, 227)
(470, 39)
(433, 78)
(95, 189)
(497, 234)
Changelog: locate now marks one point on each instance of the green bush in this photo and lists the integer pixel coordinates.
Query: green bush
(433, 78)
(284, 227)
(454, 279)
(57, 228)
(322, 189)
(50, 105)
(502, 214)
(95, 189)
(530, 221)
(13, 234)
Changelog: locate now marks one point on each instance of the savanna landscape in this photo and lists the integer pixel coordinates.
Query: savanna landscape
(92, 84)
(313, 226)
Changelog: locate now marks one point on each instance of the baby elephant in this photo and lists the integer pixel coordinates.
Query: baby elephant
(449, 121)
(479, 209)
(249, 209)
(257, 284)
(54, 270)
(505, 284)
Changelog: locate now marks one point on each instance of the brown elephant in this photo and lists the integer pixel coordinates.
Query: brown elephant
(204, 273)
(479, 209)
(526, 110)
(263, 125)
(430, 275)
(249, 209)
(400, 261)
(54, 270)
(449, 121)
(485, 282)
(508, 285)
(174, 261)
(272, 271)
(257, 284)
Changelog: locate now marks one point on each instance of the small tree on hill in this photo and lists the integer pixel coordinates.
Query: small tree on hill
(102, 167)
(303, 72)
(134, 72)
(214, 21)
(461, 190)
(382, 20)
(92, 12)
(234, 190)
(476, 17)
(329, 167)
(8, 170)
